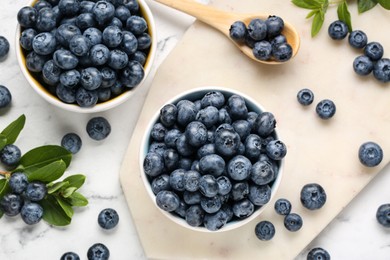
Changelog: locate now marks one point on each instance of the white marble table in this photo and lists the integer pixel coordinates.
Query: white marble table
(354, 234)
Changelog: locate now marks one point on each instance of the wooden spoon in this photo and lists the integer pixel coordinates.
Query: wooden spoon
(222, 21)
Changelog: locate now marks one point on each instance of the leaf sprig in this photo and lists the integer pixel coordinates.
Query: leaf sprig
(46, 164)
(320, 7)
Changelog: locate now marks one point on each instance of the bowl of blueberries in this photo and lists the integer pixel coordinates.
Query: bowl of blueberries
(211, 159)
(85, 56)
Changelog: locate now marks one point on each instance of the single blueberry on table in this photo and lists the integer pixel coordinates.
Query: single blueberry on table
(71, 142)
(257, 29)
(99, 54)
(243, 208)
(194, 215)
(176, 180)
(282, 52)
(5, 97)
(27, 16)
(326, 109)
(65, 59)
(26, 38)
(262, 50)
(357, 39)
(370, 154)
(239, 168)
(160, 183)
(318, 253)
(11, 204)
(98, 128)
(383, 215)
(276, 150)
(275, 26)
(293, 222)
(10, 155)
(70, 78)
(31, 213)
(265, 230)
(305, 97)
(374, 50)
(282, 207)
(18, 182)
(363, 65)
(4, 47)
(98, 251)
(136, 24)
(313, 196)
(382, 70)
(36, 191)
(132, 74)
(108, 218)
(238, 31)
(70, 256)
(79, 45)
(196, 134)
(51, 73)
(338, 30)
(216, 220)
(167, 200)
(90, 78)
(262, 172)
(103, 11)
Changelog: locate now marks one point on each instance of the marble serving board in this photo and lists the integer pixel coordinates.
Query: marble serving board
(319, 151)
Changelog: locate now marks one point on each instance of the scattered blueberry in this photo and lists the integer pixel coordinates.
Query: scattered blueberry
(265, 230)
(31, 213)
(11, 204)
(313, 196)
(338, 30)
(18, 182)
(383, 215)
(5, 96)
(305, 97)
(357, 39)
(318, 253)
(326, 109)
(108, 218)
(293, 222)
(282, 207)
(98, 128)
(363, 65)
(71, 142)
(382, 70)
(374, 50)
(370, 154)
(10, 155)
(70, 256)
(98, 251)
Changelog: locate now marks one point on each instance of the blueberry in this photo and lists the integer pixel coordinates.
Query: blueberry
(196, 134)
(212, 164)
(168, 115)
(265, 124)
(79, 45)
(104, 94)
(5, 97)
(181, 210)
(171, 136)
(253, 147)
(338, 30)
(158, 132)
(11, 204)
(86, 6)
(108, 218)
(65, 94)
(357, 39)
(65, 33)
(42, 4)
(363, 65)
(132, 74)
(70, 256)
(243, 208)
(191, 180)
(65, 59)
(136, 24)
(118, 59)
(276, 150)
(176, 180)
(94, 35)
(117, 88)
(282, 52)
(183, 148)
(383, 215)
(238, 31)
(129, 43)
(208, 185)
(98, 251)
(382, 70)
(26, 38)
(282, 207)
(70, 78)
(216, 220)
(239, 168)
(103, 11)
(211, 205)
(318, 253)
(265, 230)
(31, 213)
(238, 108)
(240, 190)
(277, 40)
(374, 50)
(98, 128)
(51, 73)
(213, 98)
(370, 154)
(194, 216)
(275, 26)
(252, 118)
(112, 36)
(313, 196)
(18, 182)
(186, 112)
(257, 29)
(90, 78)
(46, 20)
(27, 16)
(167, 200)
(206, 149)
(69, 20)
(160, 183)
(192, 197)
(10, 155)
(209, 116)
(36, 191)
(71, 142)
(144, 41)
(326, 109)
(85, 20)
(132, 5)
(99, 54)
(262, 172)
(293, 222)
(262, 50)
(158, 147)
(35, 62)
(305, 97)
(139, 56)
(69, 7)
(4, 47)
(242, 127)
(227, 142)
(259, 195)
(249, 41)
(224, 185)
(185, 163)
(109, 77)
(122, 13)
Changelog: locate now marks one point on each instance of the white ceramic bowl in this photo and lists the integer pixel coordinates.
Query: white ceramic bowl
(113, 102)
(193, 95)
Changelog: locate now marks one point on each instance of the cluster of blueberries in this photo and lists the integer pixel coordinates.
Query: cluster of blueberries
(264, 37)
(85, 52)
(325, 109)
(372, 60)
(212, 160)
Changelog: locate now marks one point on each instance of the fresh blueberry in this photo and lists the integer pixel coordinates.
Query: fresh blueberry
(69, 20)
(27, 16)
(326, 109)
(374, 50)
(144, 41)
(338, 30)
(265, 124)
(196, 134)
(122, 13)
(36, 191)
(129, 43)
(262, 172)
(139, 56)
(181, 210)
(249, 41)
(206, 149)
(86, 6)
(71, 142)
(26, 38)
(104, 94)
(112, 36)
(282, 207)
(383, 215)
(158, 132)
(238, 31)
(238, 108)
(186, 112)
(277, 40)
(318, 253)
(212, 164)
(239, 168)
(18, 182)
(191, 180)
(224, 185)
(109, 77)
(363, 65)
(79, 45)
(51, 73)
(313, 196)
(240, 190)
(176, 180)
(253, 147)
(208, 185)
(4, 47)
(132, 74)
(194, 215)
(257, 29)
(370, 154)
(132, 5)
(185, 163)
(31, 213)
(242, 128)
(98, 128)
(98, 251)
(65, 94)
(282, 52)
(69, 7)
(42, 4)
(357, 39)
(46, 20)
(209, 116)
(5, 97)
(382, 70)
(10, 155)
(211, 205)
(276, 150)
(90, 78)
(183, 148)
(160, 183)
(168, 115)
(136, 24)
(275, 26)
(167, 200)
(99, 54)
(252, 118)
(213, 98)
(103, 11)
(265, 230)
(65, 33)
(94, 35)
(243, 208)
(227, 142)
(118, 59)
(117, 88)
(11, 204)
(262, 50)
(70, 256)
(70, 78)
(259, 195)
(216, 220)
(85, 20)
(65, 59)
(35, 62)
(108, 218)
(153, 164)
(293, 222)
(305, 97)
(192, 197)
(171, 136)
(158, 147)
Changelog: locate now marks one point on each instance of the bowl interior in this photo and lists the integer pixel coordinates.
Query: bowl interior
(193, 95)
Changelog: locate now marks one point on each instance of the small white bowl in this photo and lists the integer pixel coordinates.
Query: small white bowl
(193, 95)
(102, 106)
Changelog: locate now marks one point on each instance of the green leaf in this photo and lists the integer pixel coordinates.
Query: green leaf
(307, 4)
(311, 13)
(344, 15)
(12, 131)
(76, 180)
(385, 4)
(42, 156)
(3, 141)
(4, 187)
(365, 5)
(68, 192)
(48, 173)
(66, 206)
(318, 21)
(53, 187)
(53, 213)
(77, 200)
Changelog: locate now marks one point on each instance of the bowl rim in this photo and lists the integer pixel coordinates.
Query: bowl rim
(99, 107)
(144, 149)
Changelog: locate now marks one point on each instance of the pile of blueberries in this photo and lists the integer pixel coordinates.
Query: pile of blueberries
(372, 60)
(212, 160)
(264, 37)
(85, 52)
